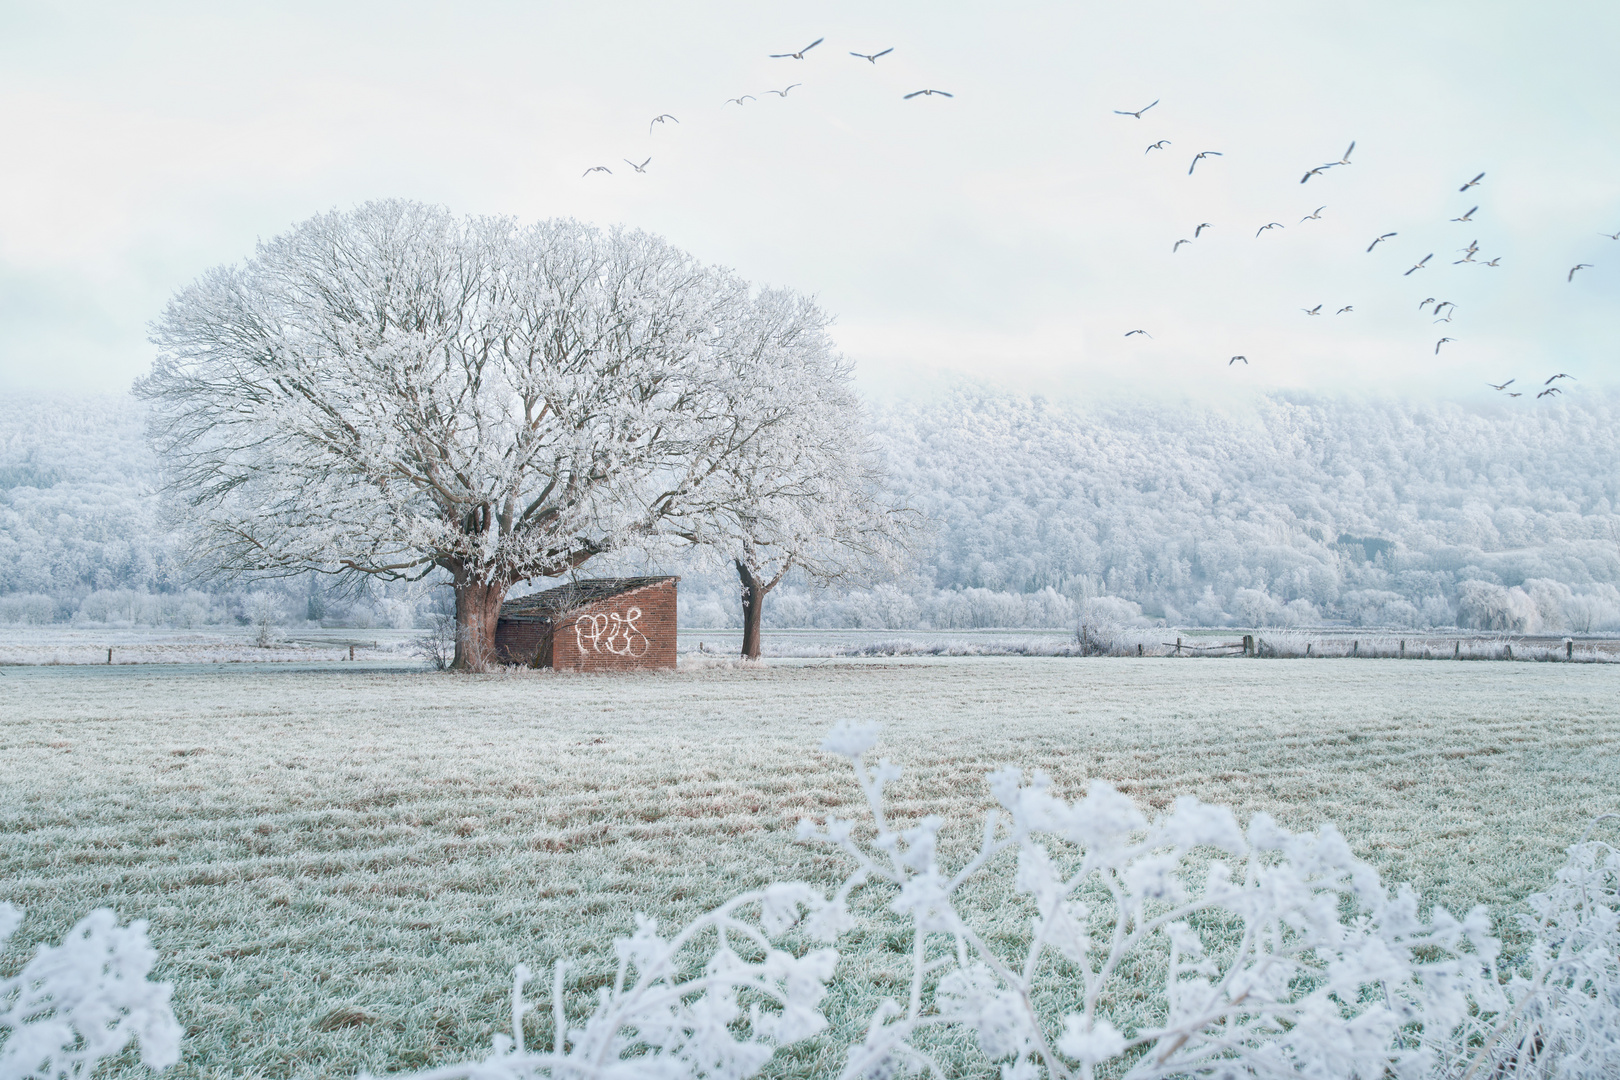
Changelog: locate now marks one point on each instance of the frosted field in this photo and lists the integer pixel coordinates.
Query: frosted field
(341, 863)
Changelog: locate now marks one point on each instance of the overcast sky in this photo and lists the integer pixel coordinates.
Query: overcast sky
(1013, 233)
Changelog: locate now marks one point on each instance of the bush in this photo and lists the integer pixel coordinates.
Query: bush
(1184, 946)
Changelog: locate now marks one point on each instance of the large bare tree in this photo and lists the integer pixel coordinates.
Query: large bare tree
(394, 390)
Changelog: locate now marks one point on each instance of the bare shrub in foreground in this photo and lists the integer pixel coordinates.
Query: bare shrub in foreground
(1284, 955)
(75, 1004)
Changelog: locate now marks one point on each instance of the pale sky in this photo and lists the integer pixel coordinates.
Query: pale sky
(1012, 234)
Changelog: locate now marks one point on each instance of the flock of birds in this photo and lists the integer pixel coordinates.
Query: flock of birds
(744, 99)
(1443, 310)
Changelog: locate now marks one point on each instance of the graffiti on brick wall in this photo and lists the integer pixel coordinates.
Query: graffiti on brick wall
(611, 632)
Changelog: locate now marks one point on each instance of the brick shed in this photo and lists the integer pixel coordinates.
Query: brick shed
(600, 624)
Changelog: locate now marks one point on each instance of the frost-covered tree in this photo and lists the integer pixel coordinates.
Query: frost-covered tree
(394, 390)
(801, 492)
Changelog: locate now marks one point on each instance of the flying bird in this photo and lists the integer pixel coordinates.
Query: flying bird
(1273, 225)
(1144, 333)
(1473, 246)
(915, 93)
(1472, 182)
(1504, 386)
(797, 55)
(1441, 342)
(639, 168)
(1201, 228)
(660, 120)
(1177, 246)
(1549, 390)
(1318, 171)
(784, 93)
(1380, 240)
(1555, 378)
(1466, 216)
(1425, 302)
(1315, 216)
(1493, 262)
(1444, 304)
(1235, 359)
(1577, 266)
(1160, 145)
(1138, 113)
(873, 57)
(1611, 235)
(1202, 154)
(1347, 307)
(745, 97)
(1420, 263)
(1515, 394)
(597, 168)
(1346, 159)
(1317, 310)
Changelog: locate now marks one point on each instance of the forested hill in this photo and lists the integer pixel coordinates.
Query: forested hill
(1288, 510)
(1211, 515)
(76, 513)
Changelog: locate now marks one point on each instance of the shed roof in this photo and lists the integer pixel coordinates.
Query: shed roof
(547, 605)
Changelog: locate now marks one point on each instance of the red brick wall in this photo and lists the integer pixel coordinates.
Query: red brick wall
(519, 642)
(630, 631)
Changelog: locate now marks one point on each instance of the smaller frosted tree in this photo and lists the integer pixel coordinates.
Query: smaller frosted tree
(803, 492)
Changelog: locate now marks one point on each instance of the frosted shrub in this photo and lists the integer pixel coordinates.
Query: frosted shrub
(1186, 946)
(671, 1014)
(84, 1000)
(1288, 956)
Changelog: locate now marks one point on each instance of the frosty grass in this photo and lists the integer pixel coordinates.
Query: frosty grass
(342, 867)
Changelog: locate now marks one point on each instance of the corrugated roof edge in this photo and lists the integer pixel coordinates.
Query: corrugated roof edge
(574, 595)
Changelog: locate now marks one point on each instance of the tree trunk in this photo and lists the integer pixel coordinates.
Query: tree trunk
(478, 607)
(753, 602)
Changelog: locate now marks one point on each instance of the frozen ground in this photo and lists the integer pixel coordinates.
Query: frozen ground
(341, 863)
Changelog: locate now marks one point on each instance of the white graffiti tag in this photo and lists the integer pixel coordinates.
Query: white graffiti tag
(611, 632)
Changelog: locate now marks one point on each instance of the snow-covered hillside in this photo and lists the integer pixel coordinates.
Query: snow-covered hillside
(1288, 511)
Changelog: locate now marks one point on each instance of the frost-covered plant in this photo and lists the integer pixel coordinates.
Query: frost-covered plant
(1563, 1014)
(671, 1014)
(1289, 957)
(1186, 946)
(82, 1001)
(437, 644)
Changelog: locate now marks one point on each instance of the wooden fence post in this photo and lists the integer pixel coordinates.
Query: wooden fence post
(1178, 646)
(1509, 651)
(1403, 648)
(1307, 648)
(1456, 650)
(109, 654)
(1569, 648)
(1138, 648)
(1355, 648)
(351, 652)
(1248, 644)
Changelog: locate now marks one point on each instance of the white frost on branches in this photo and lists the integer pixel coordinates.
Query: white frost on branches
(1287, 958)
(669, 1017)
(800, 492)
(1185, 946)
(80, 1002)
(392, 390)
